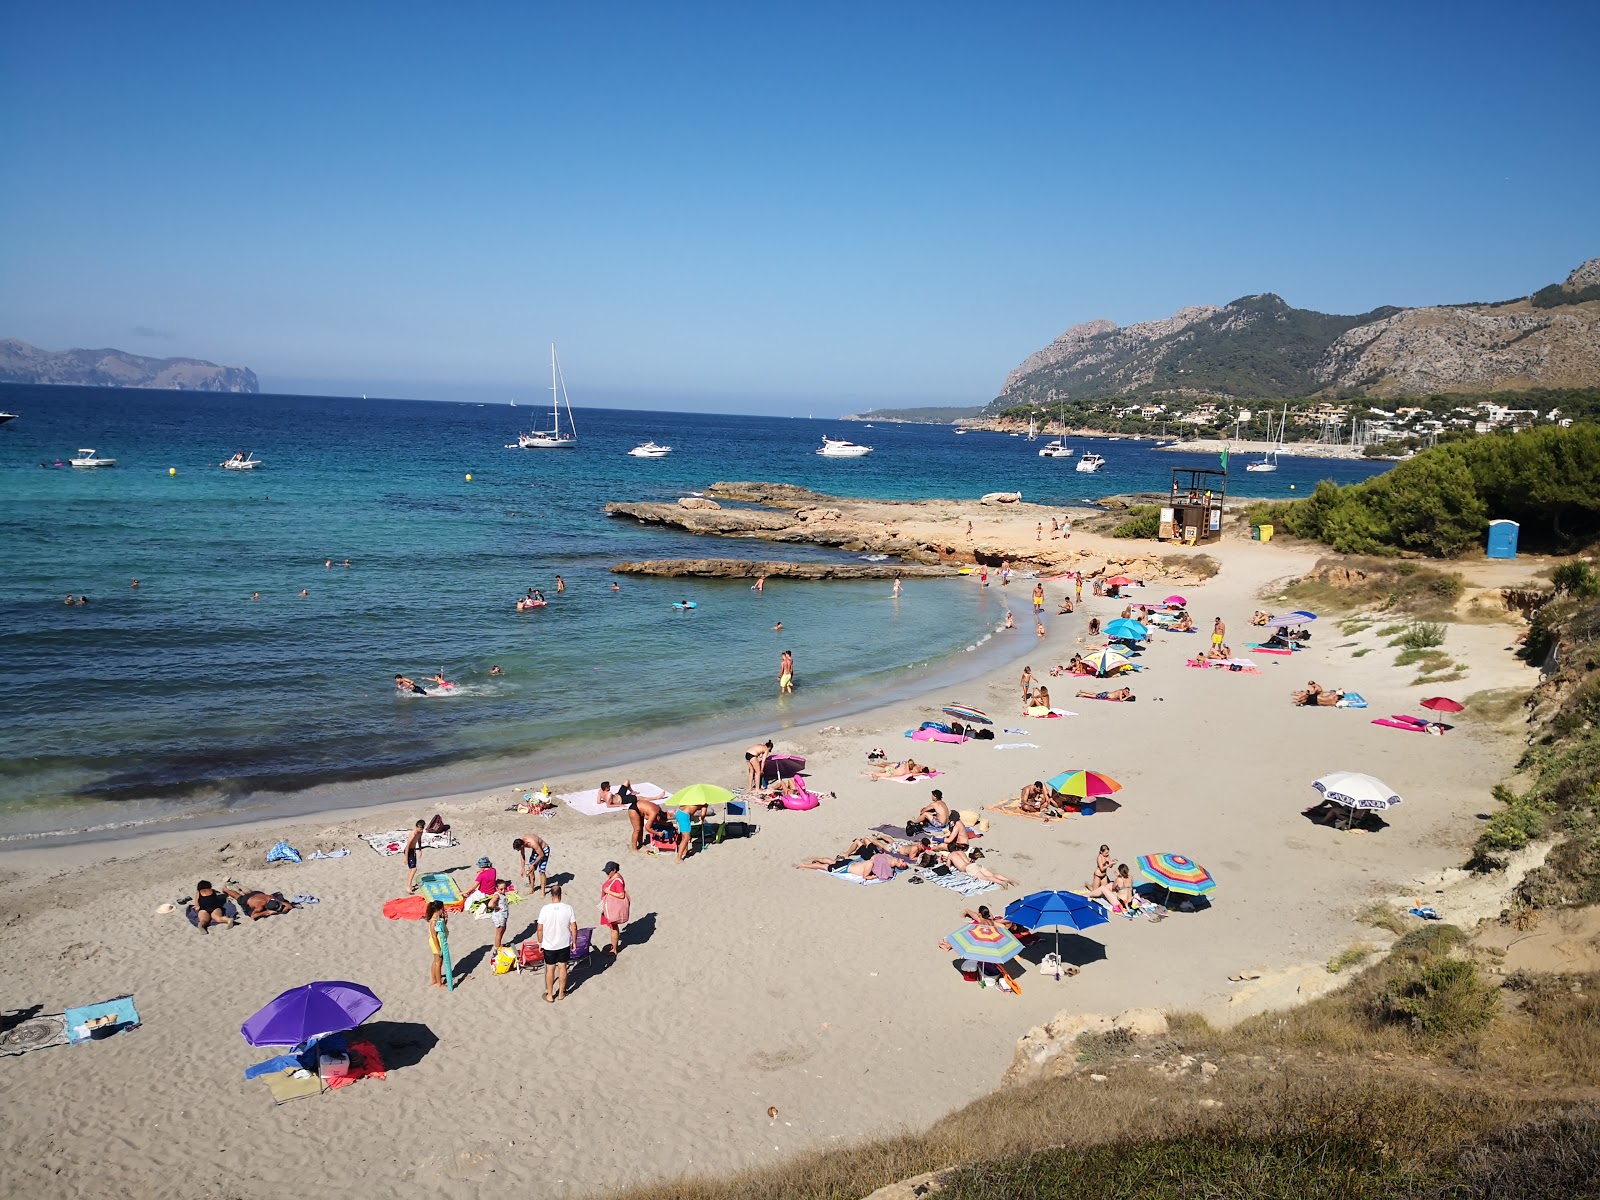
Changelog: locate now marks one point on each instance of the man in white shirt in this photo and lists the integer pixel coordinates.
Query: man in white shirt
(557, 929)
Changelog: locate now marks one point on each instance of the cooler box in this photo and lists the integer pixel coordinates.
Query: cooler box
(1502, 539)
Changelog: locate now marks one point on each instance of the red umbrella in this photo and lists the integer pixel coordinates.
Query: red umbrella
(1119, 581)
(1442, 704)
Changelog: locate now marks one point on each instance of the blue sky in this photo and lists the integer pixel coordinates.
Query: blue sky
(769, 208)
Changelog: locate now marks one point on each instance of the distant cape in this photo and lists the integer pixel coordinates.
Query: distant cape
(22, 363)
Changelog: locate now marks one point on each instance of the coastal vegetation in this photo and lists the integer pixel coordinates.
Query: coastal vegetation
(1439, 503)
(1422, 1077)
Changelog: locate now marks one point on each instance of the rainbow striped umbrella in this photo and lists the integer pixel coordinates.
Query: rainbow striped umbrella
(1084, 784)
(985, 943)
(1176, 873)
(1106, 661)
(965, 712)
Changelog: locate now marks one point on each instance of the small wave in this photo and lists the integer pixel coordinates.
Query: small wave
(873, 557)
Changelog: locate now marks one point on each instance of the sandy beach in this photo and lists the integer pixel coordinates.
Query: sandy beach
(743, 985)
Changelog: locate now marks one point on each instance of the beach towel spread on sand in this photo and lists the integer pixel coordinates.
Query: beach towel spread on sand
(934, 735)
(1014, 808)
(395, 843)
(1352, 700)
(960, 882)
(1016, 745)
(588, 803)
(83, 1023)
(406, 908)
(35, 1033)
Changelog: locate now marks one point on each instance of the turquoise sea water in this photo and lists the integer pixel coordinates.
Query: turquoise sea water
(187, 696)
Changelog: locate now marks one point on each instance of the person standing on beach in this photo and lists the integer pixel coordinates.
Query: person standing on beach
(499, 913)
(1038, 530)
(755, 759)
(1038, 597)
(969, 529)
(413, 848)
(1027, 681)
(614, 904)
(1218, 632)
(786, 672)
(534, 853)
(434, 919)
(1079, 588)
(556, 929)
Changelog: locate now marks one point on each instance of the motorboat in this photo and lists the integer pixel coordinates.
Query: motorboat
(650, 450)
(1055, 448)
(88, 458)
(242, 461)
(1090, 462)
(4, 417)
(839, 448)
(554, 438)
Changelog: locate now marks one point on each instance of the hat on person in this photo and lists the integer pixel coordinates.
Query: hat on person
(610, 867)
(484, 862)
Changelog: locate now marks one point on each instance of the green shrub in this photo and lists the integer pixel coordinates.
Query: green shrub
(1519, 820)
(1142, 521)
(1441, 999)
(1576, 578)
(1422, 635)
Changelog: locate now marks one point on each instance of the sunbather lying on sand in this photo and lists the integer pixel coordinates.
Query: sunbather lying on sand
(257, 905)
(1118, 695)
(862, 859)
(983, 917)
(899, 770)
(1314, 695)
(962, 860)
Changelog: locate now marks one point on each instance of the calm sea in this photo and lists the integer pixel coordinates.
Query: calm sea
(186, 697)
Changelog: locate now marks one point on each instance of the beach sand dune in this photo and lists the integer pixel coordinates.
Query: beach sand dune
(743, 984)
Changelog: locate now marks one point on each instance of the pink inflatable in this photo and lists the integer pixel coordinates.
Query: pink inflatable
(800, 803)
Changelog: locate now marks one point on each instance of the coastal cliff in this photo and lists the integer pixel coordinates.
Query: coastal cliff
(1261, 347)
(22, 363)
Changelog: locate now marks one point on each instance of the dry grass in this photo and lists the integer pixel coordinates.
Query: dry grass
(1492, 706)
(1349, 957)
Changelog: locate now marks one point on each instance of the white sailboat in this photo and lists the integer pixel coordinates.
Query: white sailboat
(1033, 430)
(1269, 460)
(554, 438)
(1055, 448)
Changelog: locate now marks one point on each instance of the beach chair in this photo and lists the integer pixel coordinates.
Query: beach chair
(530, 956)
(581, 947)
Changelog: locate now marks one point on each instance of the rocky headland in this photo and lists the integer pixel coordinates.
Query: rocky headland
(22, 363)
(1000, 528)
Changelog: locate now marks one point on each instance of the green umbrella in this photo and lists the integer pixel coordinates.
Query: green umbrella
(697, 794)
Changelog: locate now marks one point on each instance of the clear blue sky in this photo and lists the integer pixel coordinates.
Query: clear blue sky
(769, 207)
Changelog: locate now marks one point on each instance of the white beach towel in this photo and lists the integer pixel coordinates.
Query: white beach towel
(588, 803)
(1016, 745)
(395, 842)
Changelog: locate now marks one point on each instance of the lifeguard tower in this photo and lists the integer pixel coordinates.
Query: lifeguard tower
(1195, 514)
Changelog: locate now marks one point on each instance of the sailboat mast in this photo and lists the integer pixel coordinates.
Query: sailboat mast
(555, 400)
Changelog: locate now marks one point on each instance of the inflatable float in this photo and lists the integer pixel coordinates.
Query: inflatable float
(684, 605)
(525, 605)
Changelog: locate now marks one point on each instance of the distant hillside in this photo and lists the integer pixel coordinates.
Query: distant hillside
(1259, 347)
(917, 416)
(22, 363)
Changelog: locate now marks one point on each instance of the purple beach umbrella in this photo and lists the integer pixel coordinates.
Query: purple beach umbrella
(783, 766)
(310, 1011)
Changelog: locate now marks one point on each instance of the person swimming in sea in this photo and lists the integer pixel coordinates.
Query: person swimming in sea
(439, 679)
(495, 670)
(408, 686)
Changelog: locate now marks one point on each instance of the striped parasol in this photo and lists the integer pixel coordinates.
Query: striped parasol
(1106, 661)
(982, 942)
(1176, 873)
(1084, 784)
(1353, 790)
(965, 712)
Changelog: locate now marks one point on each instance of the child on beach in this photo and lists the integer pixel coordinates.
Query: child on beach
(499, 912)
(413, 847)
(436, 922)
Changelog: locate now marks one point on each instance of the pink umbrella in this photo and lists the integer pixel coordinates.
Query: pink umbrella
(1176, 601)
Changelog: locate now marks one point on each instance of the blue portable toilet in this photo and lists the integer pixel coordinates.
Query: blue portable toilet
(1502, 539)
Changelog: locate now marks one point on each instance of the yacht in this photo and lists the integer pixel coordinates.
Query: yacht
(554, 438)
(1090, 462)
(1269, 460)
(839, 448)
(242, 461)
(1055, 448)
(650, 450)
(87, 458)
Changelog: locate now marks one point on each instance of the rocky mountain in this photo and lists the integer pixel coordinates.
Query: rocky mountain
(1259, 347)
(22, 363)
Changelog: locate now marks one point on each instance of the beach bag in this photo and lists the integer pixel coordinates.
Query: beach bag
(437, 825)
(913, 828)
(504, 961)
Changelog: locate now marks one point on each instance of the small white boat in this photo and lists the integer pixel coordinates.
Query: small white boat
(650, 450)
(4, 417)
(88, 458)
(1055, 448)
(1090, 462)
(838, 448)
(1033, 430)
(242, 461)
(1269, 460)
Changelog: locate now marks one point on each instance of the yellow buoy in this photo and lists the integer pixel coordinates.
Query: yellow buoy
(469, 476)
(1291, 487)
(172, 470)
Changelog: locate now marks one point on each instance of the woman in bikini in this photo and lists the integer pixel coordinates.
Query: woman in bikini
(1116, 891)
(1103, 863)
(642, 814)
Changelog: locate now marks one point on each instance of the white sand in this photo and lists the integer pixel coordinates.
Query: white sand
(744, 984)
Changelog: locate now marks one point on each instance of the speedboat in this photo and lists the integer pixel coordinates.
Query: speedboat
(1055, 448)
(87, 458)
(1090, 462)
(242, 461)
(838, 448)
(650, 450)
(4, 417)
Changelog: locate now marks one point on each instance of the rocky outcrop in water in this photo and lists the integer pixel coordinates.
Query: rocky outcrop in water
(22, 363)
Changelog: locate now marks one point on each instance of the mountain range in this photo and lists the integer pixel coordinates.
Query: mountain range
(1259, 347)
(22, 363)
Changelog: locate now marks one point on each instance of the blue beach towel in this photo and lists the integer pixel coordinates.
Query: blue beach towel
(127, 1017)
(1353, 700)
(1427, 913)
(283, 852)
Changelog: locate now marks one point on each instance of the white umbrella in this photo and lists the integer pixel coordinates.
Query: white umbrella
(1351, 789)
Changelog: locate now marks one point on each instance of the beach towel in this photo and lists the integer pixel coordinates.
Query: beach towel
(933, 735)
(913, 778)
(588, 803)
(229, 910)
(395, 842)
(328, 854)
(1352, 700)
(285, 1087)
(406, 908)
(1016, 745)
(283, 852)
(1013, 807)
(1427, 912)
(124, 1015)
(1018, 732)
(1406, 725)
(844, 874)
(1258, 648)
(36, 1033)
(365, 1063)
(959, 882)
(440, 887)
